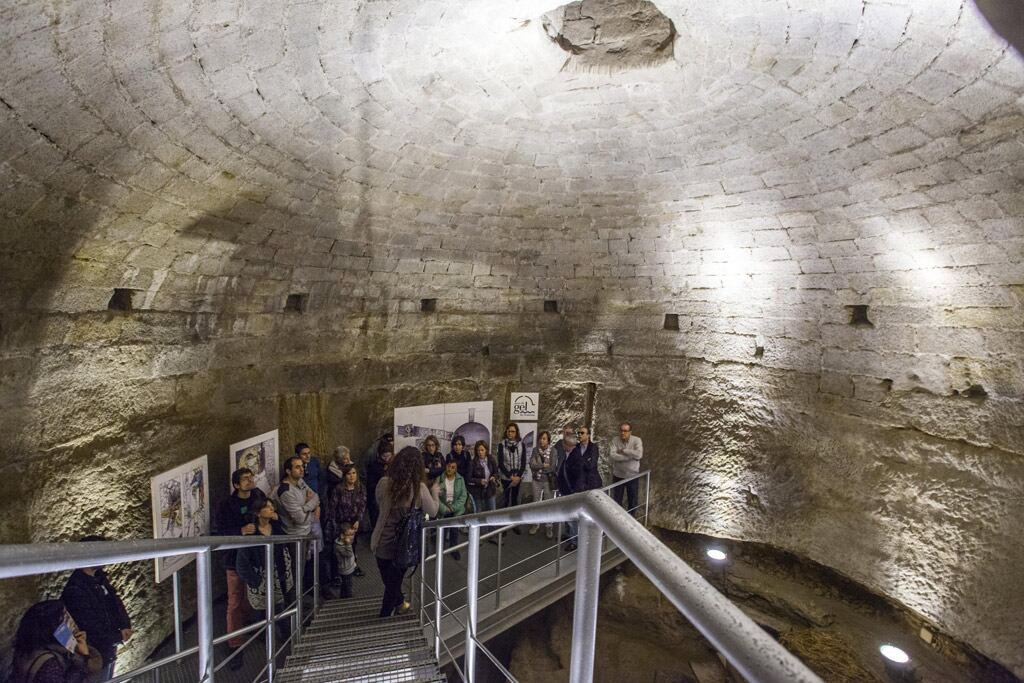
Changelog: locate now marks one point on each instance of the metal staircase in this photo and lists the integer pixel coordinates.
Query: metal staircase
(347, 641)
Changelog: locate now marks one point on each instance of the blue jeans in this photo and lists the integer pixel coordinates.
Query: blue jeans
(485, 503)
(107, 672)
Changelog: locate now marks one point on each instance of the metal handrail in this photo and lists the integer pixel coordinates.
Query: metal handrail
(40, 558)
(742, 642)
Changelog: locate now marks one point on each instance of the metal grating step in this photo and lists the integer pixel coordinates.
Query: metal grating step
(376, 662)
(326, 629)
(359, 619)
(339, 647)
(406, 674)
(317, 630)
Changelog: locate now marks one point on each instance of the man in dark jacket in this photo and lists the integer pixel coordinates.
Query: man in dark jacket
(96, 608)
(590, 456)
(236, 516)
(571, 475)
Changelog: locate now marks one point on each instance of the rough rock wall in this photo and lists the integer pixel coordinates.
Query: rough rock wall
(794, 163)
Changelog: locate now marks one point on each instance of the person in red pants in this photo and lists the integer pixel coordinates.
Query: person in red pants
(234, 518)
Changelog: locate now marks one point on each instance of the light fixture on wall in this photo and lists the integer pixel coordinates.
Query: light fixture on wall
(716, 554)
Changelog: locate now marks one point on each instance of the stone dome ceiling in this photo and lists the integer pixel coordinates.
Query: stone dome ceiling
(264, 191)
(464, 107)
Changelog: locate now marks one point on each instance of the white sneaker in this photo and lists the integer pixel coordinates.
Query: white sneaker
(534, 529)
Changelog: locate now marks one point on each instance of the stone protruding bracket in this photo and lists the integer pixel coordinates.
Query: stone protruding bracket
(611, 35)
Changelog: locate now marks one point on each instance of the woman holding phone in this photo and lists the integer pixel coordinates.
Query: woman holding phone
(49, 648)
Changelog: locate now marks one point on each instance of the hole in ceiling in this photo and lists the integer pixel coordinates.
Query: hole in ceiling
(611, 35)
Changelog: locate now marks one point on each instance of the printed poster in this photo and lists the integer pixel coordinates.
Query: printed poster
(181, 509)
(472, 420)
(259, 454)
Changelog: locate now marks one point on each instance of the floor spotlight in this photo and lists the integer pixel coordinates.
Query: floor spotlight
(897, 664)
(894, 654)
(716, 554)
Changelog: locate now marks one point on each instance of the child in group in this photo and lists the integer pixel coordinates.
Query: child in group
(346, 555)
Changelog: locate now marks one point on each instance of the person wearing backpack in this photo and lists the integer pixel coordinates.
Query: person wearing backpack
(39, 657)
(403, 497)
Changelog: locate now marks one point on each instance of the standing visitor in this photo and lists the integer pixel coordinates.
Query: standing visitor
(591, 456)
(565, 445)
(453, 498)
(511, 464)
(96, 608)
(626, 453)
(483, 478)
(312, 471)
(400, 492)
(433, 460)
(233, 518)
(344, 548)
(298, 507)
(375, 471)
(459, 455)
(571, 477)
(542, 466)
(251, 563)
(345, 508)
(334, 476)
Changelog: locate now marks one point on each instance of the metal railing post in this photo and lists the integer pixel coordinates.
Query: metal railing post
(497, 590)
(558, 549)
(177, 611)
(472, 591)
(438, 587)
(270, 612)
(300, 589)
(316, 575)
(423, 570)
(647, 498)
(588, 585)
(204, 613)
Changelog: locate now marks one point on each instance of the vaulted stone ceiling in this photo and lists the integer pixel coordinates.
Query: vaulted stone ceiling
(790, 161)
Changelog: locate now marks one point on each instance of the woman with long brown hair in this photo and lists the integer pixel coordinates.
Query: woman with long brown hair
(401, 490)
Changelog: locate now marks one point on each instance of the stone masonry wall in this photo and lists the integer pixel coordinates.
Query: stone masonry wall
(793, 164)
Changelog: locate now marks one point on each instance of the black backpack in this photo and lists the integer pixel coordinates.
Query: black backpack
(408, 548)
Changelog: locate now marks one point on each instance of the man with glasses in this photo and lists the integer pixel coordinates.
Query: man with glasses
(626, 453)
(570, 474)
(590, 455)
(235, 517)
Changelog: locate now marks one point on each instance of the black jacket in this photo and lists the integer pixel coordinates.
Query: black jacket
(571, 475)
(96, 608)
(476, 475)
(232, 514)
(591, 456)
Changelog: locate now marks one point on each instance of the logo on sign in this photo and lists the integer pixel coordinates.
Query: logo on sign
(524, 405)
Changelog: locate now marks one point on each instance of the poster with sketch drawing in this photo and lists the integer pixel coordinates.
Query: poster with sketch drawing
(181, 509)
(444, 420)
(259, 454)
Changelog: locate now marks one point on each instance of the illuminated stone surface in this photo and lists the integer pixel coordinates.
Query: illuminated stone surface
(793, 159)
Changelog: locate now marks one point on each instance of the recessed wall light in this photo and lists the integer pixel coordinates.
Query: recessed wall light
(716, 554)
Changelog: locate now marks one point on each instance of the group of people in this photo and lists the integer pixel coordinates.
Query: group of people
(328, 502)
(472, 480)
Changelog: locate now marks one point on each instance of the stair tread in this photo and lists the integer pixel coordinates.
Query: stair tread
(383, 673)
